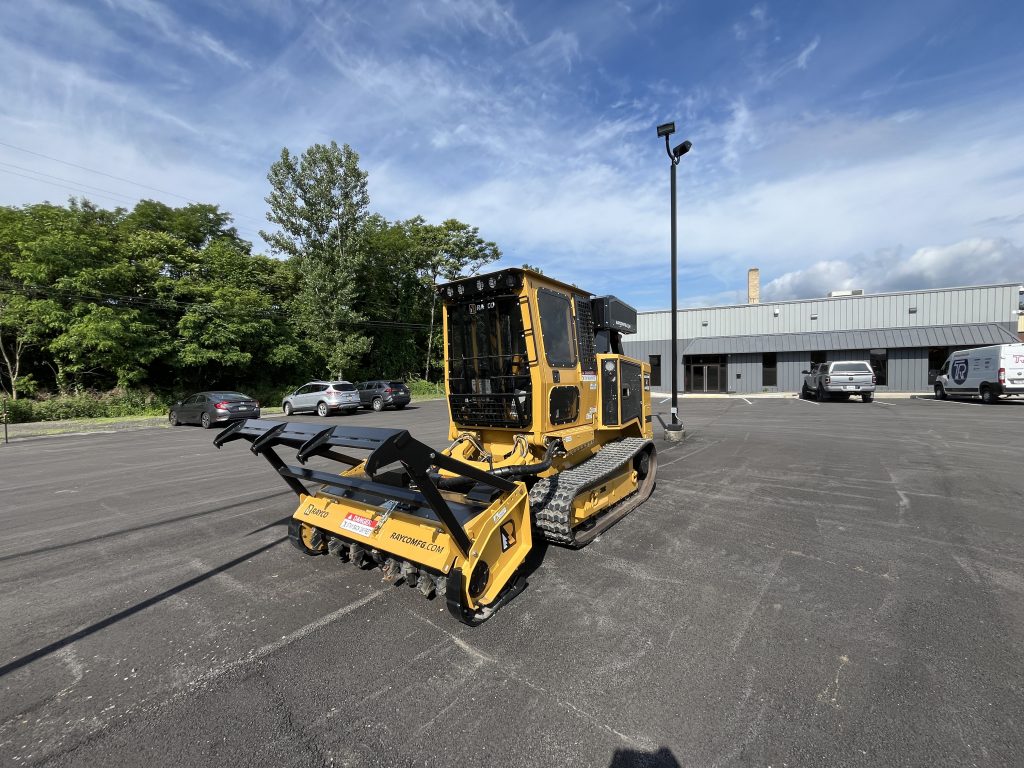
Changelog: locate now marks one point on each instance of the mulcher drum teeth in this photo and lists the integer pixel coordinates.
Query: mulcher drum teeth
(551, 497)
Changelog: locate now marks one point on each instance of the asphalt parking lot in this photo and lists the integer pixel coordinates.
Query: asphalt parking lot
(811, 584)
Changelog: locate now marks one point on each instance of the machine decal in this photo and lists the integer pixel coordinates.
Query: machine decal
(364, 526)
(313, 509)
(959, 370)
(417, 542)
(508, 535)
(500, 514)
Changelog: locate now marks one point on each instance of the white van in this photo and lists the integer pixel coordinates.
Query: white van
(988, 372)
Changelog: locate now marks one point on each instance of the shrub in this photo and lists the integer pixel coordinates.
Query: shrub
(419, 388)
(86, 405)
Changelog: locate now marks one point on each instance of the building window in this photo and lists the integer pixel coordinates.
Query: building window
(819, 357)
(769, 370)
(879, 365)
(655, 361)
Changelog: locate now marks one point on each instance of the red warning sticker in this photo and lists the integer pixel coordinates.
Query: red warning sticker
(364, 526)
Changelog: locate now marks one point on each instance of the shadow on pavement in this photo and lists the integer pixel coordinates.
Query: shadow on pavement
(145, 527)
(631, 758)
(92, 629)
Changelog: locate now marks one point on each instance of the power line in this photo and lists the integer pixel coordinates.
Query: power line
(251, 221)
(78, 184)
(62, 186)
(93, 170)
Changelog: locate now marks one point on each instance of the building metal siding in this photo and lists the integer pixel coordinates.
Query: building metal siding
(907, 370)
(845, 328)
(976, 334)
(984, 304)
(790, 370)
(748, 368)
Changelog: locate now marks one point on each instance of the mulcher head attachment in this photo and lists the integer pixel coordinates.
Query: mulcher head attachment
(389, 510)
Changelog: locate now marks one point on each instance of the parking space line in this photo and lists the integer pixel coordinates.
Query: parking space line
(662, 465)
(879, 402)
(746, 401)
(809, 402)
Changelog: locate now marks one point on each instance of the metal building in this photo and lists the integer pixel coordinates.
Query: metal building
(764, 347)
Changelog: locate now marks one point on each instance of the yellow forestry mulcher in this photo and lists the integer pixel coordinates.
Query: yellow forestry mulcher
(551, 438)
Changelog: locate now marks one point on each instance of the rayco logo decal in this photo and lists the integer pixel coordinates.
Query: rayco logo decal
(959, 370)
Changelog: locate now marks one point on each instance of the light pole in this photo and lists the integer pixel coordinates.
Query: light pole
(674, 430)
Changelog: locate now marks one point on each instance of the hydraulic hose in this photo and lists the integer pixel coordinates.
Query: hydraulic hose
(525, 470)
(512, 473)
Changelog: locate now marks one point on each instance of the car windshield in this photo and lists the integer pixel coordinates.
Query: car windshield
(231, 397)
(851, 368)
(344, 386)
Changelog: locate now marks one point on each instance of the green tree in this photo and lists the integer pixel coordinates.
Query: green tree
(448, 251)
(196, 224)
(319, 201)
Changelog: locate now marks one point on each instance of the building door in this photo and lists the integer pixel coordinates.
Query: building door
(705, 373)
(711, 378)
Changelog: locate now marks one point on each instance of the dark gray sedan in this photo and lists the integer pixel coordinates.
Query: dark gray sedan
(210, 408)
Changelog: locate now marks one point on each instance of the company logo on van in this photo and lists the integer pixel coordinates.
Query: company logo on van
(959, 370)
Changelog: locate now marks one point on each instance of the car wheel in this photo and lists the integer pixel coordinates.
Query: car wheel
(988, 395)
(172, 418)
(378, 404)
(287, 408)
(867, 397)
(820, 394)
(805, 393)
(206, 421)
(322, 410)
(940, 393)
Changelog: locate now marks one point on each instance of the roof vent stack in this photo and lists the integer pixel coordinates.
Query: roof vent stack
(753, 286)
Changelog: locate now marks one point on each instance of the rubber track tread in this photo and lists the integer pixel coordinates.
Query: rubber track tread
(551, 497)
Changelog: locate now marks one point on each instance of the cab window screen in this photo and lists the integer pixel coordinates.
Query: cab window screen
(556, 327)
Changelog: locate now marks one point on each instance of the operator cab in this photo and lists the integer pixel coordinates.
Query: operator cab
(522, 349)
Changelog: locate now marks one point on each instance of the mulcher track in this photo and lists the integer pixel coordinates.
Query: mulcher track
(551, 497)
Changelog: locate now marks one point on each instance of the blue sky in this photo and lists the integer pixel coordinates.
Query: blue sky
(875, 145)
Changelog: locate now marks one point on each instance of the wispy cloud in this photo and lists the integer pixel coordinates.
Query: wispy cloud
(804, 56)
(159, 22)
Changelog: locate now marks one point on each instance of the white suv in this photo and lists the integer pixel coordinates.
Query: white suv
(322, 398)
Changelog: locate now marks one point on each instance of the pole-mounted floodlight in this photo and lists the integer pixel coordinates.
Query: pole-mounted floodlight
(681, 149)
(674, 430)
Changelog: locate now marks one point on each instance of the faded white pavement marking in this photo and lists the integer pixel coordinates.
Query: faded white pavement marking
(830, 693)
(687, 455)
(480, 658)
(749, 615)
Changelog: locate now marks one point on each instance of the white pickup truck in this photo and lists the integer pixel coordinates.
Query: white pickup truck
(839, 380)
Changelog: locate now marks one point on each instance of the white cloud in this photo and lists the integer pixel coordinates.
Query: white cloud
(804, 55)
(737, 133)
(975, 261)
(170, 29)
